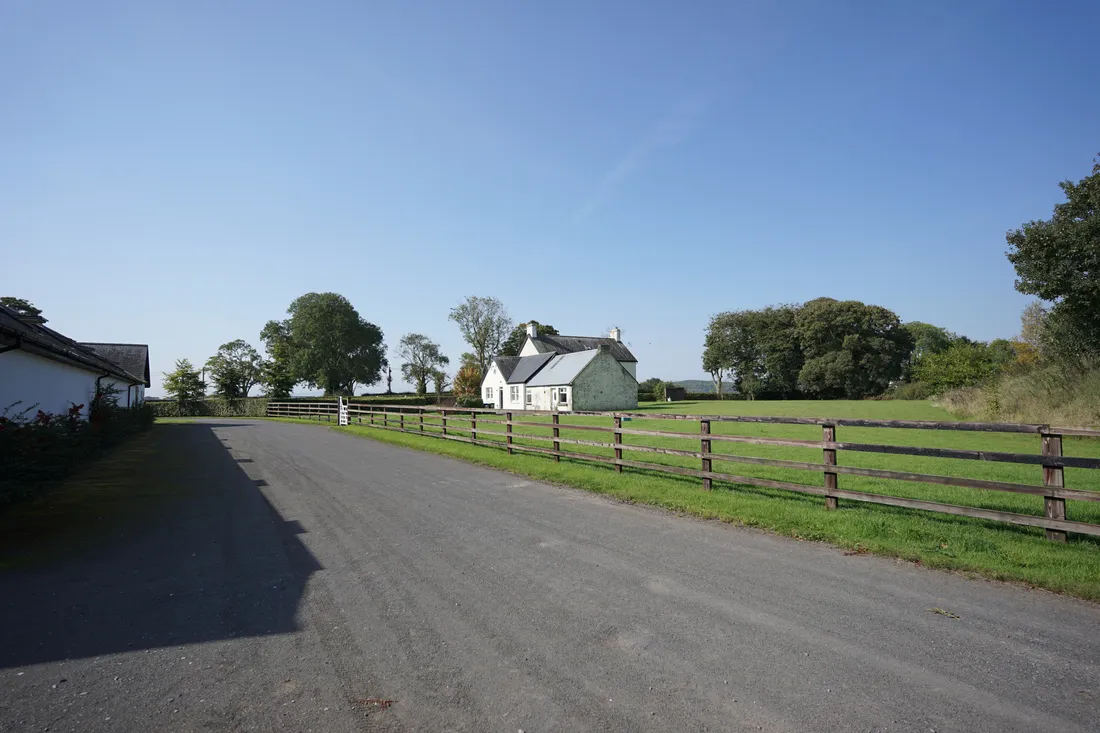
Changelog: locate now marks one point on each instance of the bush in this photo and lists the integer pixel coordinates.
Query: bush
(1047, 395)
(910, 391)
(36, 450)
(214, 407)
(471, 401)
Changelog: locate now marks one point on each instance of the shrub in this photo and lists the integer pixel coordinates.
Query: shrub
(45, 447)
(910, 391)
(471, 401)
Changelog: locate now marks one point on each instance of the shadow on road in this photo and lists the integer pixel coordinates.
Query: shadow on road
(167, 541)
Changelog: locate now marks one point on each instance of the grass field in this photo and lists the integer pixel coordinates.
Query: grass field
(992, 549)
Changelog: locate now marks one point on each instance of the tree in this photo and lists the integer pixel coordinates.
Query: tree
(235, 369)
(963, 365)
(330, 345)
(422, 357)
(852, 350)
(389, 379)
(20, 306)
(758, 349)
(277, 370)
(439, 377)
(1058, 260)
(184, 384)
(518, 337)
(717, 351)
(484, 324)
(467, 385)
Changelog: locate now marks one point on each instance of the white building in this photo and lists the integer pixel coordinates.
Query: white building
(42, 370)
(564, 373)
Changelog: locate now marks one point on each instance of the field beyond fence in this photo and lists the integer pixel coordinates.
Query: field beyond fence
(1007, 472)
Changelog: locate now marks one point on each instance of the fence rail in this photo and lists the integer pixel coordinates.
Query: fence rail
(400, 418)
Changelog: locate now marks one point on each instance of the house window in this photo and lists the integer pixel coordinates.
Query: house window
(528, 396)
(488, 393)
(563, 396)
(514, 394)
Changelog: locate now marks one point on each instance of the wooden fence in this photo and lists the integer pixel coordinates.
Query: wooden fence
(1050, 458)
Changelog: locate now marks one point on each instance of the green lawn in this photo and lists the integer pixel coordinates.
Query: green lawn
(992, 549)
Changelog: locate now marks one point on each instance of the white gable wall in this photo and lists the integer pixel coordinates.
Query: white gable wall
(494, 382)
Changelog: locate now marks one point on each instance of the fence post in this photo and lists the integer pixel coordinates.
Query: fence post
(420, 417)
(1054, 476)
(443, 413)
(618, 442)
(828, 435)
(473, 426)
(508, 430)
(557, 434)
(401, 418)
(704, 443)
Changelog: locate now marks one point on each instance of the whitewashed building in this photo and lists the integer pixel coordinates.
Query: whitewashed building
(40, 369)
(564, 373)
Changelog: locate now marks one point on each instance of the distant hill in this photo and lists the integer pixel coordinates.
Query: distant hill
(696, 385)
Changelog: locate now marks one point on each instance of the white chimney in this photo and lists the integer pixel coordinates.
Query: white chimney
(617, 334)
(532, 330)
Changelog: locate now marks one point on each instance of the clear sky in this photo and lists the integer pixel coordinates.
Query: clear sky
(175, 173)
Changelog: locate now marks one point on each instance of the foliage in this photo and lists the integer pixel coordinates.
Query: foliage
(441, 381)
(852, 350)
(659, 390)
(422, 357)
(467, 383)
(518, 337)
(1058, 261)
(1048, 393)
(20, 306)
(757, 349)
(277, 370)
(235, 369)
(471, 401)
(184, 384)
(484, 324)
(330, 346)
(212, 407)
(961, 365)
(38, 448)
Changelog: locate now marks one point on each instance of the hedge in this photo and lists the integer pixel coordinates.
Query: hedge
(47, 447)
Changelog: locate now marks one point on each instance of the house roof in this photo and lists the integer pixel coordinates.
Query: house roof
(572, 344)
(38, 339)
(563, 369)
(527, 367)
(134, 358)
(506, 364)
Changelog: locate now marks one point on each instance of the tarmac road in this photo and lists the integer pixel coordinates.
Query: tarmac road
(293, 578)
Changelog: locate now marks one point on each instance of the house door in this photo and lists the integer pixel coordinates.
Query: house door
(500, 398)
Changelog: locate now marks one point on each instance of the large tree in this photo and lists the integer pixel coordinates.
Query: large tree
(852, 350)
(758, 349)
(518, 337)
(20, 306)
(331, 346)
(421, 358)
(1059, 261)
(184, 384)
(277, 370)
(484, 324)
(235, 369)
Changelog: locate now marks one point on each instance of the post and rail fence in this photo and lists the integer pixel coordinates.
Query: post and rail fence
(1050, 458)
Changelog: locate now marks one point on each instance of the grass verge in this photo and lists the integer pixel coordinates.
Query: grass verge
(989, 549)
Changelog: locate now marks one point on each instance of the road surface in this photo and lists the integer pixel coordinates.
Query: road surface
(295, 577)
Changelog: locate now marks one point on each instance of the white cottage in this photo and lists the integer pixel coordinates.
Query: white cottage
(564, 373)
(44, 370)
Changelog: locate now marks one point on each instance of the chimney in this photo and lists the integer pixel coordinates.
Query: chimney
(617, 334)
(532, 330)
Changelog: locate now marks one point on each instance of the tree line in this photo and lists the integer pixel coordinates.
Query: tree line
(325, 344)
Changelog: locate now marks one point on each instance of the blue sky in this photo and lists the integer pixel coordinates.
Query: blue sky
(177, 173)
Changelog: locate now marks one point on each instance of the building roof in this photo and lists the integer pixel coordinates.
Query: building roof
(134, 358)
(571, 344)
(563, 369)
(43, 341)
(506, 365)
(527, 367)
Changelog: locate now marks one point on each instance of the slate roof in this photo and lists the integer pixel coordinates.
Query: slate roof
(563, 369)
(134, 358)
(39, 339)
(571, 344)
(506, 364)
(527, 367)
